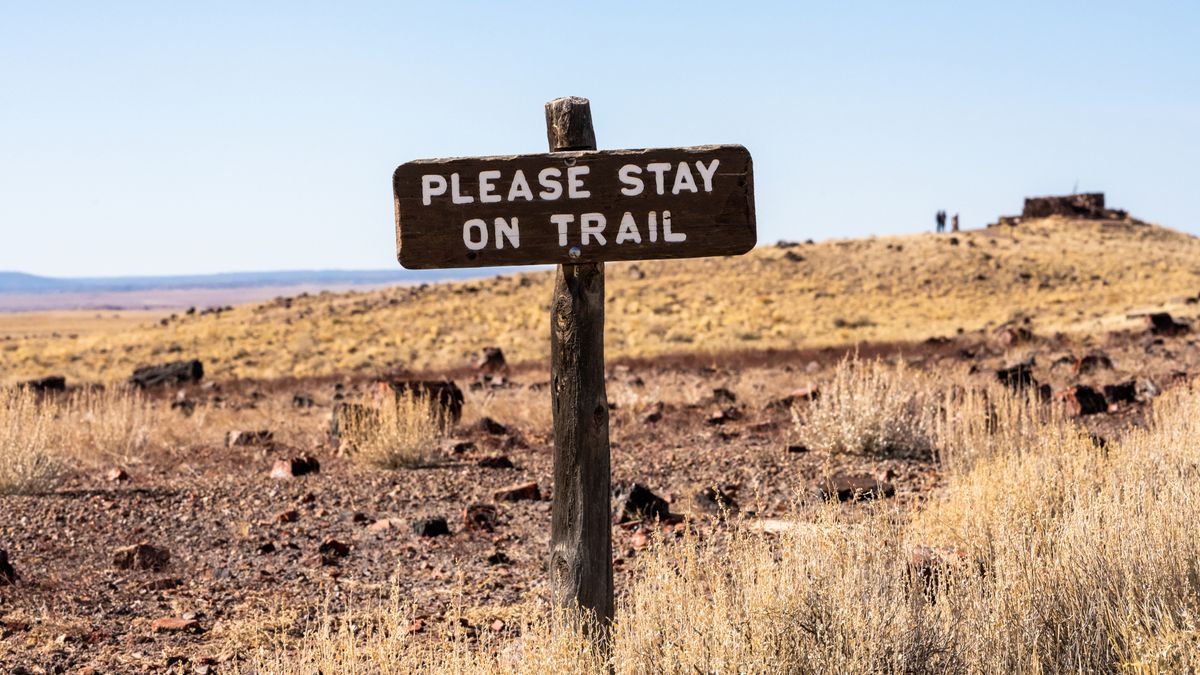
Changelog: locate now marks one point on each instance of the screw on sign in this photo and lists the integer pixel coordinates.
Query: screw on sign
(576, 207)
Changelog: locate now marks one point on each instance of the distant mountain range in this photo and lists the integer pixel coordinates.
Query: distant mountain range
(19, 282)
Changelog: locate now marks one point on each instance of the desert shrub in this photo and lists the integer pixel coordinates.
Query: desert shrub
(111, 425)
(30, 460)
(403, 435)
(870, 408)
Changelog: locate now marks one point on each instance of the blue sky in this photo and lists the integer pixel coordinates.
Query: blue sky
(179, 138)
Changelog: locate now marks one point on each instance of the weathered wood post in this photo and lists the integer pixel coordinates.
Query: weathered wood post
(580, 562)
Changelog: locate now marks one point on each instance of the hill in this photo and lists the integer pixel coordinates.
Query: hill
(1065, 275)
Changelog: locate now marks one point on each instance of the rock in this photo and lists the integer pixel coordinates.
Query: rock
(116, 474)
(8, 575)
(1018, 376)
(293, 467)
(163, 584)
(380, 525)
(655, 414)
(854, 489)
(185, 406)
(1092, 363)
(443, 395)
(498, 557)
(1124, 392)
(496, 462)
(797, 448)
(491, 361)
(288, 516)
(430, 527)
(260, 438)
(480, 518)
(302, 401)
(332, 548)
(178, 372)
(172, 624)
(639, 539)
(717, 500)
(490, 426)
(639, 503)
(458, 447)
(1089, 205)
(1082, 400)
(809, 393)
(724, 415)
(518, 492)
(1165, 325)
(141, 557)
(721, 395)
(44, 385)
(1007, 336)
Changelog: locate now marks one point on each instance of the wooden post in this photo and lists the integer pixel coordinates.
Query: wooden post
(580, 561)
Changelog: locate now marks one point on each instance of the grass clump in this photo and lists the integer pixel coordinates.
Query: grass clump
(395, 435)
(30, 457)
(869, 408)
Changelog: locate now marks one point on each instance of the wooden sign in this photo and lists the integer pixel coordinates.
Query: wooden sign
(575, 207)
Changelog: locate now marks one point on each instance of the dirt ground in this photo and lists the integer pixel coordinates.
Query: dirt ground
(251, 558)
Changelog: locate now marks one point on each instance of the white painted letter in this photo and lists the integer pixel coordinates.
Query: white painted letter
(668, 235)
(455, 196)
(562, 220)
(636, 186)
(707, 174)
(431, 186)
(574, 182)
(549, 180)
(628, 230)
(519, 188)
(658, 168)
(653, 223)
(472, 224)
(596, 226)
(507, 230)
(486, 187)
(683, 179)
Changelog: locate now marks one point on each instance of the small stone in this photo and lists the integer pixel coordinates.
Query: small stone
(380, 525)
(498, 625)
(638, 502)
(333, 548)
(849, 489)
(518, 492)
(172, 624)
(416, 626)
(655, 414)
(639, 539)
(480, 518)
(163, 584)
(459, 447)
(267, 548)
(721, 395)
(288, 516)
(491, 361)
(798, 448)
(8, 575)
(1082, 400)
(716, 500)
(302, 401)
(496, 462)
(293, 467)
(430, 527)
(116, 474)
(1163, 324)
(498, 557)
(724, 415)
(491, 426)
(1125, 392)
(141, 557)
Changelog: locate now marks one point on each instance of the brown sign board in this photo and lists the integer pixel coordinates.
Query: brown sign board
(575, 207)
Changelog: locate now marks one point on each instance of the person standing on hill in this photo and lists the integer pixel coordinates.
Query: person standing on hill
(954, 223)
(941, 221)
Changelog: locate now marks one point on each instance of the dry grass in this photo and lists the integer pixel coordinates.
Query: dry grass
(1072, 276)
(403, 435)
(30, 458)
(1054, 556)
(868, 408)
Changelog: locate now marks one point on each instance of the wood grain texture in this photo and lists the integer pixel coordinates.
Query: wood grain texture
(719, 221)
(580, 562)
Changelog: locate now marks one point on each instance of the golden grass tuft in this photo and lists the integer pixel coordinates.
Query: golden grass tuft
(396, 436)
(30, 458)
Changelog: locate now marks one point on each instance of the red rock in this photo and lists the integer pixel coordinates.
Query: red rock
(380, 525)
(8, 575)
(518, 492)
(292, 467)
(480, 518)
(639, 539)
(141, 557)
(416, 626)
(172, 624)
(1082, 400)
